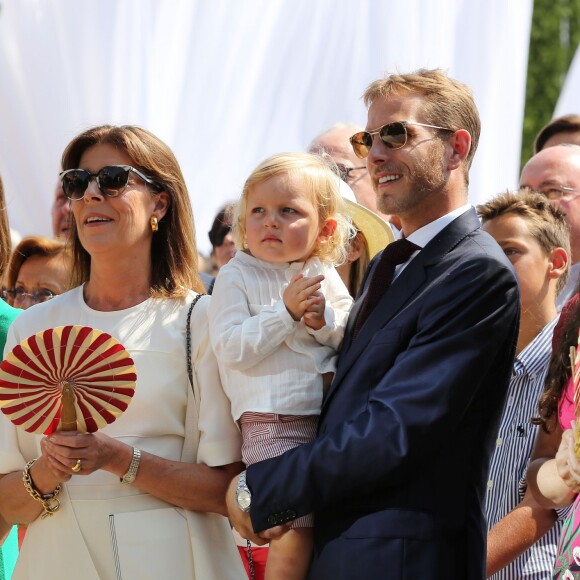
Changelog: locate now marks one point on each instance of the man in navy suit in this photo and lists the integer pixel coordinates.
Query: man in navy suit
(397, 474)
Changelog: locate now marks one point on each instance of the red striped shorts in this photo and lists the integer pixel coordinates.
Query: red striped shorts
(266, 435)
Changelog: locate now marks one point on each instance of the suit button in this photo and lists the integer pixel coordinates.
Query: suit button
(272, 520)
(290, 515)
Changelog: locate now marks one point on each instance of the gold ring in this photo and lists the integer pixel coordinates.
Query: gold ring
(77, 466)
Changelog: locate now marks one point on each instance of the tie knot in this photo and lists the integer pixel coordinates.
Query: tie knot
(399, 251)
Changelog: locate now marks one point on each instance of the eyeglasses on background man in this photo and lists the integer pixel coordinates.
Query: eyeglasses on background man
(556, 192)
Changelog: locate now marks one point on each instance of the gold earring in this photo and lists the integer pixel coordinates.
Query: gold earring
(154, 223)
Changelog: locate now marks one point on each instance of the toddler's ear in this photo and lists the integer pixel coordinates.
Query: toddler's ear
(328, 229)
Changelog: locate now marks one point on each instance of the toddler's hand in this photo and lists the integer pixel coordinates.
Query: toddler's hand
(314, 315)
(300, 294)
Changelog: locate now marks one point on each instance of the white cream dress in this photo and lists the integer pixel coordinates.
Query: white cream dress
(108, 530)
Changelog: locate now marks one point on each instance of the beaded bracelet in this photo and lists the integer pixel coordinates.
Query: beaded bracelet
(48, 500)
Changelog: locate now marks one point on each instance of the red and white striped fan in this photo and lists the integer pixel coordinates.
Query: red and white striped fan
(66, 378)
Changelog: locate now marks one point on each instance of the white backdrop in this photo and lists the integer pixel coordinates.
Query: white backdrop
(568, 101)
(228, 82)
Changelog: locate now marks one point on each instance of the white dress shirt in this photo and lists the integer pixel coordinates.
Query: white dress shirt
(424, 235)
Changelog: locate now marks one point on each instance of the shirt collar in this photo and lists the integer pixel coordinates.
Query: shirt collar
(528, 360)
(424, 235)
(295, 267)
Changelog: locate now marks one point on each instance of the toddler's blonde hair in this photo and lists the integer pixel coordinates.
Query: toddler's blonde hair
(320, 175)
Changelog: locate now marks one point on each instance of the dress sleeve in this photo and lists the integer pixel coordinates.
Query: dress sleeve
(220, 441)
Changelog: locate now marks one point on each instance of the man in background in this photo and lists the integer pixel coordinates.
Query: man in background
(555, 173)
(565, 129)
(60, 211)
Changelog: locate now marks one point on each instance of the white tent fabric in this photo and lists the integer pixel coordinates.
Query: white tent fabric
(568, 101)
(226, 83)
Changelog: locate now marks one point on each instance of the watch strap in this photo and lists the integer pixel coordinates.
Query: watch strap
(131, 474)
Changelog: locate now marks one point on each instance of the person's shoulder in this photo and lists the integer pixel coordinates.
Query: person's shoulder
(49, 313)
(200, 308)
(483, 246)
(242, 271)
(207, 281)
(8, 313)
(239, 263)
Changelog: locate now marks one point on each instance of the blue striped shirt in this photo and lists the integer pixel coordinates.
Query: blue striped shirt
(506, 485)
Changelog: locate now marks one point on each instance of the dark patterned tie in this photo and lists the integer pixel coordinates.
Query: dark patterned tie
(397, 252)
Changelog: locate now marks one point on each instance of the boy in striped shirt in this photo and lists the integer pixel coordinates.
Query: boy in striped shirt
(522, 536)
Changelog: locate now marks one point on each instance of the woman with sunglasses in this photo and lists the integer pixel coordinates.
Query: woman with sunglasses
(139, 498)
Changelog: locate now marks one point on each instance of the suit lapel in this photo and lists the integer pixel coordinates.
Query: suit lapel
(406, 285)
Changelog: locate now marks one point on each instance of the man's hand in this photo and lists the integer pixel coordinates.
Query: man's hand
(241, 519)
(300, 294)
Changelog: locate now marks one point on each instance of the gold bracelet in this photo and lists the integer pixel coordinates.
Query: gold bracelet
(48, 500)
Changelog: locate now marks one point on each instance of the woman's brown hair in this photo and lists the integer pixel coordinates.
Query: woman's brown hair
(173, 249)
(33, 246)
(5, 240)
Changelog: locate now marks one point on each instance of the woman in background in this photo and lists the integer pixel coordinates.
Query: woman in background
(373, 234)
(39, 269)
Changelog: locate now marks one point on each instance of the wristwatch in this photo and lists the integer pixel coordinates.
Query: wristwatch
(131, 474)
(243, 494)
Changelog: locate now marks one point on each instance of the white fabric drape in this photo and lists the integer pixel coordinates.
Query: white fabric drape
(568, 100)
(226, 83)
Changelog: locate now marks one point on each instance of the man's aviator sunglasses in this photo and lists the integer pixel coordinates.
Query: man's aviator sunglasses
(393, 135)
(111, 181)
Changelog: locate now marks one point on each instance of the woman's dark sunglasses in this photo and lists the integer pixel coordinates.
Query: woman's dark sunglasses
(393, 135)
(111, 181)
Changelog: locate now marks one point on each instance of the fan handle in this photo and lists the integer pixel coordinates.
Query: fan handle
(68, 416)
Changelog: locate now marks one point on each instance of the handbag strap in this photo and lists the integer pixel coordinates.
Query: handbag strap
(190, 375)
(190, 444)
(188, 339)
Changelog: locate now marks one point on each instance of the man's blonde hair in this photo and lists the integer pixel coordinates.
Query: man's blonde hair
(446, 102)
(323, 183)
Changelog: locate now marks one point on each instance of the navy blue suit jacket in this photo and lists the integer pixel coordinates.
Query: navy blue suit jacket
(397, 474)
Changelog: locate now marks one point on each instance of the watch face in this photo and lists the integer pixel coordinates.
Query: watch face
(244, 499)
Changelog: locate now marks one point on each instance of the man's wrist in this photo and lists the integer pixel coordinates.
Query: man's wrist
(243, 493)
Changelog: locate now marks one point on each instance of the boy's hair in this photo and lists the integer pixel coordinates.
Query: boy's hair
(546, 222)
(323, 182)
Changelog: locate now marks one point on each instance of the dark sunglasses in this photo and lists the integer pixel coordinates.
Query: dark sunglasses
(111, 181)
(393, 135)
